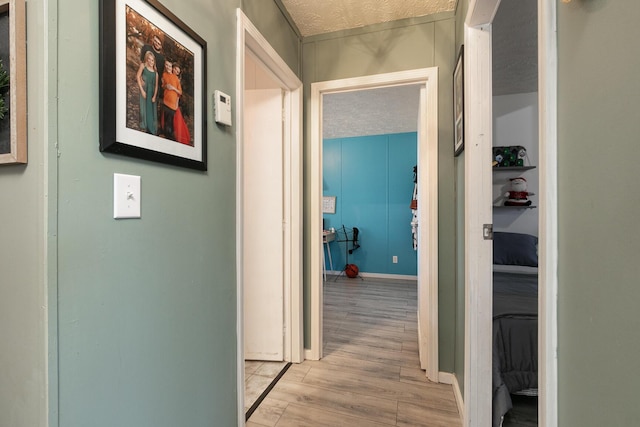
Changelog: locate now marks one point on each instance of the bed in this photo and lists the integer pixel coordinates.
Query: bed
(515, 320)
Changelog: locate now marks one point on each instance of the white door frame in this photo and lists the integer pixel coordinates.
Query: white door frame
(478, 262)
(428, 203)
(249, 39)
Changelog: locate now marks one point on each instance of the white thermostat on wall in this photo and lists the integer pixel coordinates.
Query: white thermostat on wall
(222, 107)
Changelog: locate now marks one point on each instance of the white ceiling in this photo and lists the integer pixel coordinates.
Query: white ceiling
(395, 110)
(323, 16)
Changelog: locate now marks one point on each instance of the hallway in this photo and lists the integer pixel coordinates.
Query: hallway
(370, 374)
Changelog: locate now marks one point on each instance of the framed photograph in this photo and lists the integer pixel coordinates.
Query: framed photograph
(329, 204)
(152, 84)
(458, 104)
(13, 82)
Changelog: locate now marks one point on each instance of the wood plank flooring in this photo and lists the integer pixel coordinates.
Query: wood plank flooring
(370, 373)
(257, 377)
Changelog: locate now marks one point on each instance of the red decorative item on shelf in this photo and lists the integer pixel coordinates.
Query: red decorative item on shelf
(351, 270)
(518, 196)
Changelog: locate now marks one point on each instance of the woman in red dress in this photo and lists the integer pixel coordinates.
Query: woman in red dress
(180, 130)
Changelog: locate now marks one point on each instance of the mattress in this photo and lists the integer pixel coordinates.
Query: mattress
(515, 338)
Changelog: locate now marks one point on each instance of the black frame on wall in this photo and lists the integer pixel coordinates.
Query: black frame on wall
(124, 28)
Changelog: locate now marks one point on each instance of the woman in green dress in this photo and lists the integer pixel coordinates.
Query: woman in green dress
(148, 83)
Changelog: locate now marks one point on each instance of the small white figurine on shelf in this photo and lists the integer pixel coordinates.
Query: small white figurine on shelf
(518, 196)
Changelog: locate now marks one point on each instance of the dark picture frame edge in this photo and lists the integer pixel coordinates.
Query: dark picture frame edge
(458, 104)
(17, 69)
(108, 98)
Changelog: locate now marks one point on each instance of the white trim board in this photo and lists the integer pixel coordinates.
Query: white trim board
(307, 354)
(449, 378)
(249, 39)
(381, 276)
(478, 252)
(428, 195)
(478, 289)
(548, 215)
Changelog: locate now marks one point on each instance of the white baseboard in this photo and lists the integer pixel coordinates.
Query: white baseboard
(307, 354)
(446, 378)
(449, 378)
(377, 275)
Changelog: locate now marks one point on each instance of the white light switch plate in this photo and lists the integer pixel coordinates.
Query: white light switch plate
(126, 196)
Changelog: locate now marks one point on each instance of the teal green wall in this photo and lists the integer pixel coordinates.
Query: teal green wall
(397, 46)
(461, 12)
(269, 19)
(460, 271)
(599, 237)
(128, 322)
(597, 231)
(372, 180)
(26, 245)
(147, 307)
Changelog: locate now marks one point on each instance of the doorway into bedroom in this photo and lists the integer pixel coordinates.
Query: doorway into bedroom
(479, 200)
(369, 156)
(370, 263)
(515, 161)
(339, 154)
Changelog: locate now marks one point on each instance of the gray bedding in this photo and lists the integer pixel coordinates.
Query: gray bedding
(515, 338)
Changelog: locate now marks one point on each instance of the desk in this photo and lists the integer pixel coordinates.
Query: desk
(327, 237)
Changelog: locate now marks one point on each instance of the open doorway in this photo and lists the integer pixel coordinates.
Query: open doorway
(369, 151)
(515, 160)
(263, 238)
(479, 285)
(269, 96)
(428, 196)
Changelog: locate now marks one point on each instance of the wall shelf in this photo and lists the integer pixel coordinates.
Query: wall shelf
(513, 207)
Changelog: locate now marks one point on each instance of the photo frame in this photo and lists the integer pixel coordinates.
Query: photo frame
(152, 84)
(13, 82)
(329, 204)
(458, 104)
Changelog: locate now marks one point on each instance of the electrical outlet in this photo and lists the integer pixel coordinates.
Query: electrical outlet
(395, 259)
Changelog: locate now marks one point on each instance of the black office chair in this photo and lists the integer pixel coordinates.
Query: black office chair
(354, 240)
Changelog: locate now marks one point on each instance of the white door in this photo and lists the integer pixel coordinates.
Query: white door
(263, 225)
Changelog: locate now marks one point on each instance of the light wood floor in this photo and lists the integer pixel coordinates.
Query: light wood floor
(370, 374)
(257, 377)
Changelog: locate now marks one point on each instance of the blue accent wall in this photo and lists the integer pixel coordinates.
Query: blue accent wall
(372, 179)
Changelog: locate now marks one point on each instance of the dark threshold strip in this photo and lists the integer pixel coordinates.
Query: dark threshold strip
(264, 394)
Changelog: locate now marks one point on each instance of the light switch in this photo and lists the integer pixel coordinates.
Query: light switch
(126, 196)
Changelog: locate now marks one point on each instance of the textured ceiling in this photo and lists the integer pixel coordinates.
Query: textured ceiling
(395, 110)
(515, 47)
(370, 112)
(324, 16)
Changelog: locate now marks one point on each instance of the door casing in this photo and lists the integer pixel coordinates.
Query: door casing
(249, 39)
(427, 78)
(478, 265)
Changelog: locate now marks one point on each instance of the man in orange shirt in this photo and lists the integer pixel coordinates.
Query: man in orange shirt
(172, 93)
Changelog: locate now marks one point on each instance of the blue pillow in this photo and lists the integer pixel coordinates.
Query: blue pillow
(515, 249)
